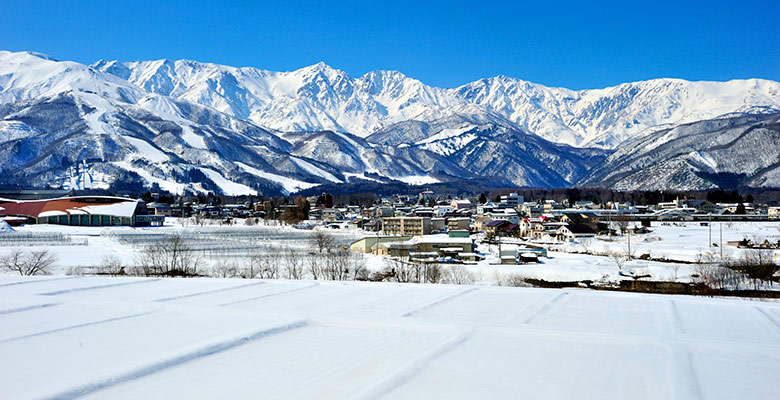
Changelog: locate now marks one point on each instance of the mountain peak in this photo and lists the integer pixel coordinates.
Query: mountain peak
(320, 97)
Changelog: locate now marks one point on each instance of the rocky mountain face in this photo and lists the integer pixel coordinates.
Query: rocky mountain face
(319, 97)
(189, 126)
(724, 152)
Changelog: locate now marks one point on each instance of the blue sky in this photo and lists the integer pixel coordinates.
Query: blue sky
(578, 45)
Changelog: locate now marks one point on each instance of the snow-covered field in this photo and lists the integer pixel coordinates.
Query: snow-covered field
(140, 338)
(683, 241)
(88, 247)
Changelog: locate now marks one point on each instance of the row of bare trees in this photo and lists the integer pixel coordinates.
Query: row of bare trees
(325, 261)
(753, 269)
(403, 269)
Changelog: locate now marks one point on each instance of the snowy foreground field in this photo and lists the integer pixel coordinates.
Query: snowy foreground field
(140, 338)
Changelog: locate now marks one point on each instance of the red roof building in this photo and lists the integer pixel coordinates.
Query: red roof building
(81, 211)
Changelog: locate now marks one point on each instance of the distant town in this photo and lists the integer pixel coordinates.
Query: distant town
(424, 227)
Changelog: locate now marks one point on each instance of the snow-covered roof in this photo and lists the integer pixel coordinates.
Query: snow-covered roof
(446, 239)
(453, 249)
(51, 213)
(123, 209)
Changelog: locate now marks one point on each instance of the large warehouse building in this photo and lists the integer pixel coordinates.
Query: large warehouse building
(81, 211)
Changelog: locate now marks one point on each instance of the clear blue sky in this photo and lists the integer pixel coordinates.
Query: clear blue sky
(574, 45)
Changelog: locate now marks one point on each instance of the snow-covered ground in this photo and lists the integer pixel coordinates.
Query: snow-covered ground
(100, 337)
(90, 245)
(683, 241)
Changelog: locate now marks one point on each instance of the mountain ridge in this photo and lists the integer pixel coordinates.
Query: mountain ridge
(186, 125)
(320, 97)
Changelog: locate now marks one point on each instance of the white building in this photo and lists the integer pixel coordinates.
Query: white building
(512, 199)
(441, 211)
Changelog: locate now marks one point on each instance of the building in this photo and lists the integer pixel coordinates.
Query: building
(461, 204)
(159, 209)
(441, 211)
(512, 200)
(495, 225)
(430, 247)
(406, 226)
(438, 224)
(703, 206)
(571, 232)
(368, 244)
(457, 224)
(427, 194)
(773, 212)
(507, 214)
(481, 221)
(82, 211)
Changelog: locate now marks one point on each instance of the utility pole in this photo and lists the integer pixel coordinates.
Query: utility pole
(629, 244)
(710, 226)
(499, 244)
(721, 240)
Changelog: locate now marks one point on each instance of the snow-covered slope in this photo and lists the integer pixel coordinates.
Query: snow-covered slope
(724, 152)
(142, 338)
(319, 97)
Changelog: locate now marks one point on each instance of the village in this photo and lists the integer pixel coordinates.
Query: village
(544, 240)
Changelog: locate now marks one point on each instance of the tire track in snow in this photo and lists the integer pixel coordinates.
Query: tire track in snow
(204, 352)
(681, 359)
(82, 289)
(184, 296)
(682, 374)
(83, 325)
(268, 295)
(438, 302)
(546, 307)
(28, 308)
(673, 315)
(408, 372)
(38, 280)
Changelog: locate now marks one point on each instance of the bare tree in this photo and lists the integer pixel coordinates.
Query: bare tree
(337, 265)
(400, 268)
(294, 264)
(270, 268)
(758, 266)
(226, 269)
(357, 267)
(459, 275)
(252, 265)
(36, 262)
(585, 244)
(198, 219)
(314, 266)
(169, 257)
(434, 273)
(323, 239)
(619, 258)
(111, 265)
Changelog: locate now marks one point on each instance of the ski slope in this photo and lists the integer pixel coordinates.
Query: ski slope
(129, 338)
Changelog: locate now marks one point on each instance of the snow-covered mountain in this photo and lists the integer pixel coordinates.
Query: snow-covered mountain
(186, 125)
(54, 114)
(731, 152)
(319, 97)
